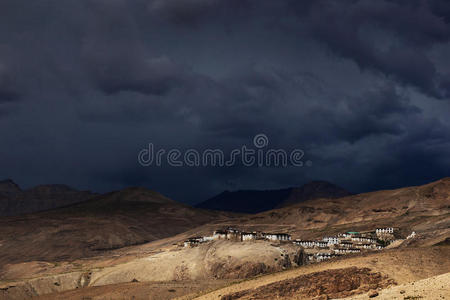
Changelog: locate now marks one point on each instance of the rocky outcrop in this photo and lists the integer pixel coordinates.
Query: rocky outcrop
(327, 284)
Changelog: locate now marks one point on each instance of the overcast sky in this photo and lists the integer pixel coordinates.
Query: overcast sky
(362, 86)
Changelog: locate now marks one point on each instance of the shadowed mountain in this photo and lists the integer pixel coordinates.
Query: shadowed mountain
(424, 209)
(15, 201)
(254, 201)
(120, 218)
(114, 220)
(314, 190)
(9, 188)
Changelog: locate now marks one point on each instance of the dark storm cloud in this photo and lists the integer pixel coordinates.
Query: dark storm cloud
(376, 112)
(116, 58)
(441, 8)
(9, 90)
(352, 83)
(386, 36)
(148, 76)
(194, 12)
(390, 37)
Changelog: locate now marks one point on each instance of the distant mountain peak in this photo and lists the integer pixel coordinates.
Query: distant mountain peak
(8, 181)
(318, 182)
(254, 201)
(52, 188)
(139, 194)
(16, 201)
(315, 190)
(9, 188)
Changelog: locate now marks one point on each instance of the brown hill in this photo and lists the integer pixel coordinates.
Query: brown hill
(118, 219)
(121, 218)
(425, 209)
(428, 200)
(332, 280)
(15, 201)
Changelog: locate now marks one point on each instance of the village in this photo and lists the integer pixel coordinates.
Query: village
(316, 250)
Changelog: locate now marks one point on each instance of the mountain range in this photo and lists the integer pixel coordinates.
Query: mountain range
(15, 201)
(136, 234)
(137, 215)
(103, 222)
(255, 201)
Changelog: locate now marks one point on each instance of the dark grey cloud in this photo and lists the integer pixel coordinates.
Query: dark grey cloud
(375, 112)
(391, 37)
(115, 57)
(8, 91)
(355, 84)
(9, 87)
(195, 12)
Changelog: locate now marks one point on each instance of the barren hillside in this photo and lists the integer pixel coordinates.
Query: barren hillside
(334, 279)
(425, 209)
(66, 249)
(128, 217)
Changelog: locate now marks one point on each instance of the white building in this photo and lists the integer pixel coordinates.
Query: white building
(332, 240)
(345, 244)
(350, 234)
(305, 244)
(385, 230)
(234, 236)
(277, 236)
(248, 236)
(364, 239)
(321, 244)
(193, 241)
(364, 246)
(208, 238)
(220, 235)
(323, 256)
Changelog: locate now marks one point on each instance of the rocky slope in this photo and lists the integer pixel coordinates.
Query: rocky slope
(332, 283)
(118, 219)
(220, 260)
(424, 209)
(432, 288)
(334, 279)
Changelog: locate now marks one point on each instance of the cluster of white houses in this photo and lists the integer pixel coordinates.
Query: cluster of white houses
(236, 235)
(318, 250)
(345, 243)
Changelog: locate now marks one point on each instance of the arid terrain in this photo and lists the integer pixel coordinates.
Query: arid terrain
(114, 220)
(129, 245)
(343, 277)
